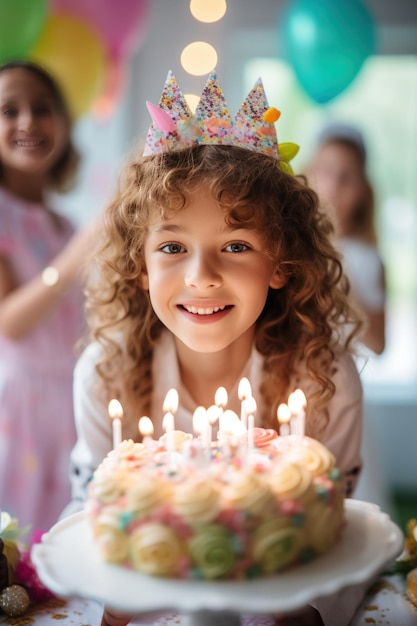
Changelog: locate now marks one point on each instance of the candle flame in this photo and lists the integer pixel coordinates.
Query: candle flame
(221, 397)
(250, 405)
(230, 424)
(244, 390)
(168, 421)
(115, 409)
(199, 420)
(296, 401)
(171, 401)
(213, 414)
(145, 426)
(283, 413)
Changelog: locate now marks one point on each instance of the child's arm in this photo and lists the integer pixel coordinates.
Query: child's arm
(23, 307)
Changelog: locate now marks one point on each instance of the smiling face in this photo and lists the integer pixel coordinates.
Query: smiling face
(338, 179)
(33, 130)
(207, 280)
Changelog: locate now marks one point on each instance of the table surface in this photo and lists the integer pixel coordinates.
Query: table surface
(386, 603)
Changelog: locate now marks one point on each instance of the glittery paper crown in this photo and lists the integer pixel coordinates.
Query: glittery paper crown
(175, 127)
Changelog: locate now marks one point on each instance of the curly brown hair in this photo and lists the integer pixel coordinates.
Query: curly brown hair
(302, 325)
(62, 176)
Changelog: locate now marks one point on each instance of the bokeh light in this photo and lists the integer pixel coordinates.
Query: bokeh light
(198, 58)
(208, 10)
(192, 100)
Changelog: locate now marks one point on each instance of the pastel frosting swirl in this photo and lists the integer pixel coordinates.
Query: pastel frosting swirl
(263, 436)
(323, 526)
(146, 494)
(110, 482)
(248, 492)
(212, 551)
(316, 458)
(291, 482)
(276, 545)
(197, 501)
(155, 549)
(111, 541)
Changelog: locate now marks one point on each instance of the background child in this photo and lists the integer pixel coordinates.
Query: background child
(41, 311)
(215, 264)
(338, 173)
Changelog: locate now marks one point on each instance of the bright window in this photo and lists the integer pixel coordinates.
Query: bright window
(382, 101)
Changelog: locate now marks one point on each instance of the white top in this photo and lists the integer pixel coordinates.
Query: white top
(364, 268)
(342, 435)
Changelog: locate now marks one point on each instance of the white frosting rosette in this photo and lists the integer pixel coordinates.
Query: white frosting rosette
(275, 545)
(323, 524)
(112, 543)
(155, 549)
(128, 450)
(179, 437)
(292, 482)
(197, 501)
(316, 458)
(145, 493)
(109, 482)
(248, 491)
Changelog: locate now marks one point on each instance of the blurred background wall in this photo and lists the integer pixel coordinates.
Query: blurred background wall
(299, 47)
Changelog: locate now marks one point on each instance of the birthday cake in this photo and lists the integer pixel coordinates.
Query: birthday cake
(216, 510)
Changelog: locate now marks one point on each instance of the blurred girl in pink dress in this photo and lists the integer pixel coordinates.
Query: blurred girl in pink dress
(41, 303)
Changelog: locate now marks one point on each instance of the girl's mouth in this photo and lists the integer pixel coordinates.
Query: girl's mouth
(206, 313)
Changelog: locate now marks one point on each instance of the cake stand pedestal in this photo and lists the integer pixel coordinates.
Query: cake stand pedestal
(68, 563)
(213, 618)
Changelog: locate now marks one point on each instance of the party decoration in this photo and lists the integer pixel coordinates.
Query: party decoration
(114, 84)
(74, 54)
(121, 25)
(326, 42)
(21, 22)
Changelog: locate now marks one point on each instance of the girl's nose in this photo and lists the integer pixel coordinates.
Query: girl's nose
(26, 120)
(202, 272)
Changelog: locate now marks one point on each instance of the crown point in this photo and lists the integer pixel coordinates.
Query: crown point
(271, 115)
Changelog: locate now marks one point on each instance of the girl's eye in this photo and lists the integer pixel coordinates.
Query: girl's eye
(42, 110)
(172, 248)
(9, 112)
(237, 247)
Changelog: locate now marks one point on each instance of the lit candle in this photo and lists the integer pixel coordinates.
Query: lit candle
(212, 417)
(231, 426)
(199, 420)
(168, 425)
(146, 429)
(244, 392)
(220, 399)
(297, 404)
(171, 402)
(251, 410)
(284, 416)
(116, 413)
(169, 408)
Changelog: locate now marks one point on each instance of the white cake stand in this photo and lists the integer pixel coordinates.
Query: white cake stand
(68, 564)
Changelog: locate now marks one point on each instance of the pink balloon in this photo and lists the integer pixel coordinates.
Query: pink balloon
(122, 25)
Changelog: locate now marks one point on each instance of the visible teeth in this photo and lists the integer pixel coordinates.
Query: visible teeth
(29, 144)
(203, 311)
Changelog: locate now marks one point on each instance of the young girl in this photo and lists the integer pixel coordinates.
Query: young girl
(338, 174)
(216, 264)
(41, 314)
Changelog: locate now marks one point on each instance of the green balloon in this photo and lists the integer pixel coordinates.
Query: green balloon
(326, 43)
(21, 23)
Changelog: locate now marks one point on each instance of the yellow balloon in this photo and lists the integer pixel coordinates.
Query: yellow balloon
(75, 56)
